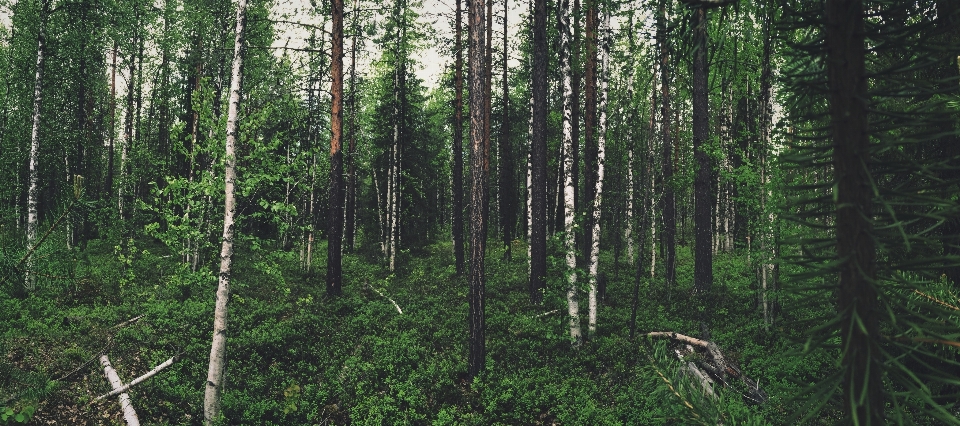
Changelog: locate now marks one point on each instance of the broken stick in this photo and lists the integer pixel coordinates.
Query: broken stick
(136, 381)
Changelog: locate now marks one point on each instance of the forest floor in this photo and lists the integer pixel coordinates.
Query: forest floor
(296, 356)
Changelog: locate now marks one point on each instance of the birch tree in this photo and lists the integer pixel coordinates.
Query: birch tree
(538, 155)
(598, 190)
(32, 216)
(218, 349)
(573, 303)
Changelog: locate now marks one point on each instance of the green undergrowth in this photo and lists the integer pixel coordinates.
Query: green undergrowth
(296, 356)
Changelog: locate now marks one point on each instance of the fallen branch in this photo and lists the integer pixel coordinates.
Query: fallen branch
(129, 414)
(136, 381)
(546, 313)
(716, 366)
(129, 321)
(385, 297)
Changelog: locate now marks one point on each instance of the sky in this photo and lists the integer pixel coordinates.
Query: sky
(438, 14)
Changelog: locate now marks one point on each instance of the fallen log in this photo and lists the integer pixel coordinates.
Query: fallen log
(385, 297)
(712, 366)
(136, 381)
(129, 414)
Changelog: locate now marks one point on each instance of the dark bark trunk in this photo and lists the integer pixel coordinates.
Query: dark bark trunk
(335, 211)
(703, 199)
(458, 147)
(857, 298)
(478, 172)
(538, 156)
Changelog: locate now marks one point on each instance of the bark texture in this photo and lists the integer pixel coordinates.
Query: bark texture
(218, 348)
(703, 255)
(478, 171)
(458, 146)
(857, 298)
(335, 212)
(569, 238)
(33, 181)
(669, 208)
(538, 156)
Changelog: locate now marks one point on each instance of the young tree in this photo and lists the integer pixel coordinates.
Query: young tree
(335, 219)
(478, 183)
(538, 156)
(218, 349)
(669, 209)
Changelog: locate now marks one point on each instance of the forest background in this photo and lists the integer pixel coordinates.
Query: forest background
(586, 212)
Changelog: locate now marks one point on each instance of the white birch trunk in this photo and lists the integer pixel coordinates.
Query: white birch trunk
(530, 193)
(32, 217)
(218, 350)
(628, 232)
(573, 303)
(129, 414)
(597, 200)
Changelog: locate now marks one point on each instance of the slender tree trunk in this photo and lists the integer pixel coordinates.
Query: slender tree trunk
(32, 166)
(108, 185)
(669, 210)
(351, 213)
(478, 172)
(538, 156)
(598, 190)
(218, 349)
(487, 113)
(590, 153)
(506, 191)
(458, 146)
(335, 219)
(703, 261)
(573, 304)
(857, 302)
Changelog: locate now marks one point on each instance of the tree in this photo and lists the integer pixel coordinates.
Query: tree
(569, 239)
(335, 219)
(669, 231)
(218, 350)
(857, 298)
(538, 156)
(458, 145)
(32, 217)
(478, 182)
(598, 189)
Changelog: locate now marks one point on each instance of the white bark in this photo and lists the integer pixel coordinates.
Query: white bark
(628, 232)
(597, 200)
(573, 303)
(530, 192)
(395, 305)
(218, 349)
(118, 390)
(129, 414)
(32, 216)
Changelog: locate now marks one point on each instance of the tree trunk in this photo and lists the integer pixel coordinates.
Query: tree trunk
(857, 298)
(351, 213)
(538, 156)
(506, 191)
(598, 190)
(458, 146)
(590, 153)
(32, 215)
(669, 209)
(573, 303)
(218, 350)
(703, 261)
(335, 218)
(478, 172)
